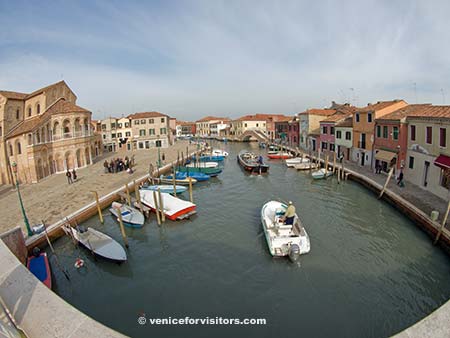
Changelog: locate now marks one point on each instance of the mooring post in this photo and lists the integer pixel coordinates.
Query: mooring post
(122, 228)
(161, 206)
(128, 194)
(137, 193)
(334, 161)
(326, 165)
(155, 200)
(191, 198)
(100, 215)
(342, 169)
(444, 221)
(174, 182)
(387, 181)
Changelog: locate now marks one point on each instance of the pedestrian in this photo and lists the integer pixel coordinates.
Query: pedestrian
(106, 166)
(400, 178)
(163, 157)
(69, 177)
(74, 174)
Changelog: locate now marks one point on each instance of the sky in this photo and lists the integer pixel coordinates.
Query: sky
(189, 59)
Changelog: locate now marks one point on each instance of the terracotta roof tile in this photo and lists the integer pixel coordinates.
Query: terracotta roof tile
(346, 123)
(403, 112)
(320, 112)
(431, 111)
(336, 117)
(212, 118)
(378, 106)
(144, 115)
(13, 95)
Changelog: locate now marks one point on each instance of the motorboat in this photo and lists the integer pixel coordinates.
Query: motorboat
(291, 162)
(280, 155)
(166, 188)
(174, 207)
(321, 173)
(251, 162)
(39, 266)
(131, 217)
(283, 239)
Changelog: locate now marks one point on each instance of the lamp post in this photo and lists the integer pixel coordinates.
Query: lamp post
(25, 218)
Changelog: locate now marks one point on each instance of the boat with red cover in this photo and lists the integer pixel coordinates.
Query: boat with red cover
(280, 156)
(174, 208)
(39, 266)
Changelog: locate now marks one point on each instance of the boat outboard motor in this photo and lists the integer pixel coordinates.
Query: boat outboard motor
(294, 252)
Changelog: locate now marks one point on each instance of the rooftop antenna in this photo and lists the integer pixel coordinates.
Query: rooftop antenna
(443, 95)
(353, 95)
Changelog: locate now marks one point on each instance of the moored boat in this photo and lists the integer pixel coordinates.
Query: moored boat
(305, 166)
(174, 208)
(273, 149)
(207, 171)
(290, 162)
(219, 152)
(97, 242)
(199, 177)
(39, 266)
(321, 173)
(251, 162)
(279, 155)
(283, 239)
(203, 165)
(167, 180)
(166, 188)
(205, 158)
(131, 217)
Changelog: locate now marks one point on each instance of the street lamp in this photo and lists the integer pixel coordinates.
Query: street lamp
(25, 218)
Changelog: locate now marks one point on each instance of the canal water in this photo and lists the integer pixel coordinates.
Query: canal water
(371, 272)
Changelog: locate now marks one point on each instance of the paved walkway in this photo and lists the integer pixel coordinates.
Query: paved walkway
(53, 198)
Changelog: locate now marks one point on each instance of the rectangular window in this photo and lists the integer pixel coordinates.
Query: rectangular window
(357, 117)
(103, 126)
(331, 130)
(411, 162)
(331, 146)
(429, 135)
(119, 125)
(162, 131)
(127, 134)
(151, 121)
(162, 120)
(338, 134)
(119, 135)
(324, 146)
(348, 135)
(324, 130)
(445, 178)
(136, 122)
(113, 126)
(141, 132)
(142, 121)
(385, 132)
(113, 135)
(395, 133)
(413, 132)
(369, 117)
(151, 131)
(443, 137)
(378, 131)
(127, 124)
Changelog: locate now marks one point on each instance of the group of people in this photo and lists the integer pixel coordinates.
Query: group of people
(71, 176)
(118, 164)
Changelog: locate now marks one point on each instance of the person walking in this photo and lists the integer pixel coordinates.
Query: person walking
(69, 177)
(400, 178)
(74, 174)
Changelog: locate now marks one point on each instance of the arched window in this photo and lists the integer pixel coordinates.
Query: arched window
(38, 109)
(11, 153)
(19, 148)
(29, 111)
(30, 139)
(38, 137)
(17, 114)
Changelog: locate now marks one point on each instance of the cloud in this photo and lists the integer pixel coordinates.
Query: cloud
(189, 59)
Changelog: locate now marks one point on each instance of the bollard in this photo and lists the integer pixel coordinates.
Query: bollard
(122, 228)
(158, 219)
(161, 206)
(128, 194)
(100, 215)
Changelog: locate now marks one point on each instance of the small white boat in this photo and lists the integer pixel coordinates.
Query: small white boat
(219, 152)
(163, 179)
(167, 188)
(305, 166)
(283, 239)
(131, 217)
(203, 165)
(291, 162)
(98, 243)
(174, 208)
(321, 173)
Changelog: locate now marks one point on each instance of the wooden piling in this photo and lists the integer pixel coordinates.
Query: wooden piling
(326, 165)
(191, 198)
(161, 206)
(158, 218)
(334, 161)
(138, 197)
(122, 228)
(100, 215)
(444, 221)
(387, 181)
(128, 194)
(174, 182)
(343, 170)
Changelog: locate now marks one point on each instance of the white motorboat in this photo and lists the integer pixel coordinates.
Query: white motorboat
(283, 239)
(167, 188)
(203, 165)
(305, 166)
(291, 162)
(174, 208)
(321, 173)
(131, 217)
(219, 152)
(97, 242)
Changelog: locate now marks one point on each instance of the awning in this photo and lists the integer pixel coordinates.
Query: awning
(385, 156)
(443, 162)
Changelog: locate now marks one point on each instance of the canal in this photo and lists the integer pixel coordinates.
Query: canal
(371, 272)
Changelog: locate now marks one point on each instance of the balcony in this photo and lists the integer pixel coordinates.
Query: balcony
(362, 144)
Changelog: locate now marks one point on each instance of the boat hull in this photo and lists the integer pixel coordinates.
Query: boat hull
(199, 177)
(254, 168)
(174, 208)
(320, 174)
(131, 217)
(213, 158)
(40, 267)
(207, 171)
(279, 156)
(166, 188)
